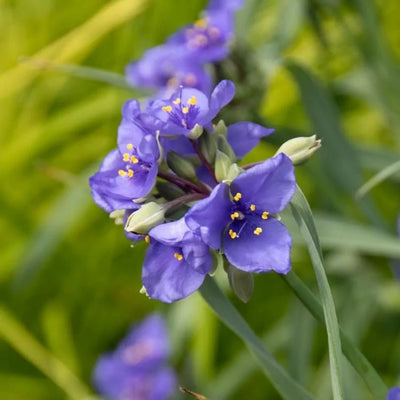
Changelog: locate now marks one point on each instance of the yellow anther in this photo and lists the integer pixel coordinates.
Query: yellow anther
(121, 172)
(237, 196)
(178, 256)
(130, 173)
(129, 146)
(167, 108)
(147, 239)
(125, 157)
(200, 23)
(134, 160)
(253, 207)
(257, 231)
(232, 234)
(235, 215)
(192, 101)
(185, 110)
(265, 215)
(177, 100)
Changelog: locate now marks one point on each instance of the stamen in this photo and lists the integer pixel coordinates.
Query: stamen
(192, 101)
(147, 239)
(129, 146)
(134, 160)
(234, 215)
(178, 256)
(265, 215)
(257, 231)
(121, 172)
(252, 207)
(200, 23)
(125, 157)
(177, 100)
(185, 110)
(131, 173)
(237, 196)
(232, 234)
(167, 108)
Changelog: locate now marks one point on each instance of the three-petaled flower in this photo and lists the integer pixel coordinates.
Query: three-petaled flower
(241, 218)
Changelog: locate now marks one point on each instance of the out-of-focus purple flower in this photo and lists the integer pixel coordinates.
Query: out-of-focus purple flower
(167, 67)
(129, 172)
(176, 262)
(240, 218)
(137, 369)
(394, 394)
(227, 5)
(244, 136)
(208, 38)
(189, 107)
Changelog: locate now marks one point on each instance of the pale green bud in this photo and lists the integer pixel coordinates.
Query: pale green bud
(118, 216)
(234, 172)
(300, 149)
(148, 216)
(181, 165)
(220, 128)
(196, 132)
(208, 146)
(144, 291)
(225, 147)
(241, 282)
(222, 165)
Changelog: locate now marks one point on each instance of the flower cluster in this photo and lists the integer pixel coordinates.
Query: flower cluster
(184, 59)
(174, 179)
(137, 369)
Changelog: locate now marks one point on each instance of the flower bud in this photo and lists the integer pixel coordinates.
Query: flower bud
(181, 165)
(225, 147)
(148, 216)
(220, 128)
(208, 146)
(241, 282)
(300, 149)
(222, 165)
(118, 216)
(234, 172)
(196, 132)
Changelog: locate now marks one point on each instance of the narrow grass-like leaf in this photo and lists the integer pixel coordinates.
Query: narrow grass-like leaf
(352, 353)
(338, 157)
(302, 213)
(79, 71)
(18, 337)
(377, 179)
(284, 384)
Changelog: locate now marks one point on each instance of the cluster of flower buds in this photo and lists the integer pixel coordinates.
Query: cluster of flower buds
(174, 182)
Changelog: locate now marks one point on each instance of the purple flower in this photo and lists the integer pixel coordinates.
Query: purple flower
(189, 107)
(394, 394)
(208, 38)
(137, 369)
(129, 172)
(167, 67)
(227, 5)
(176, 262)
(240, 218)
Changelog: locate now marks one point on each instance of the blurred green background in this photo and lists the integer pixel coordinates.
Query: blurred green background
(70, 280)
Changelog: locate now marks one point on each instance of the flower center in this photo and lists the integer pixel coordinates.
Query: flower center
(132, 163)
(202, 34)
(181, 114)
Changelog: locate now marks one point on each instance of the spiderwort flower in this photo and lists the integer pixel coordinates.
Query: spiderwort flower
(394, 394)
(190, 107)
(129, 172)
(167, 67)
(176, 262)
(240, 218)
(137, 369)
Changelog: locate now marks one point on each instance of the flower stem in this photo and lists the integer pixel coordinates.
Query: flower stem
(183, 200)
(182, 183)
(351, 352)
(204, 161)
